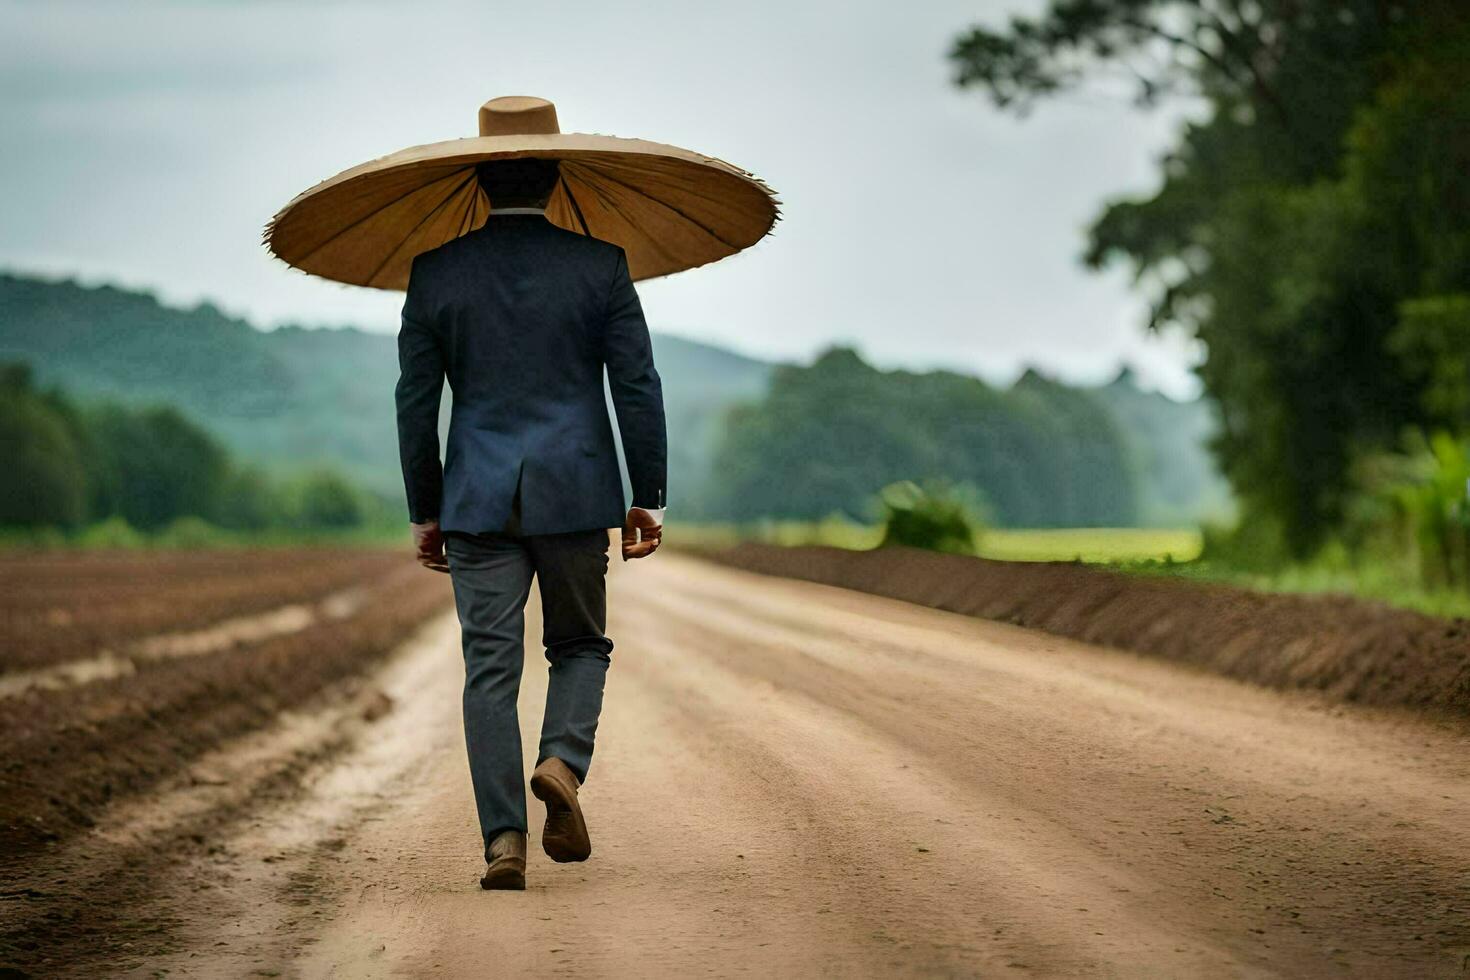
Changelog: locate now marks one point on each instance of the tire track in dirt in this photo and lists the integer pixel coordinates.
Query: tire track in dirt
(793, 780)
(1294, 845)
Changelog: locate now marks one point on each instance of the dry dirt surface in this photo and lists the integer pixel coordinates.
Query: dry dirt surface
(1345, 648)
(795, 780)
(62, 605)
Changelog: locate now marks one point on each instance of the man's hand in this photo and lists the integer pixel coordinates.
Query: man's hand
(429, 541)
(642, 534)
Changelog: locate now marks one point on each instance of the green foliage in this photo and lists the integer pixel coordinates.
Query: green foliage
(250, 501)
(325, 499)
(826, 437)
(1422, 495)
(1405, 536)
(1081, 455)
(1290, 69)
(1256, 544)
(45, 480)
(145, 475)
(1180, 484)
(936, 517)
(154, 465)
(1432, 342)
(188, 534)
(1312, 229)
(36, 537)
(112, 534)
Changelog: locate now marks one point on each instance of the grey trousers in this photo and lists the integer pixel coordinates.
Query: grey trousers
(492, 579)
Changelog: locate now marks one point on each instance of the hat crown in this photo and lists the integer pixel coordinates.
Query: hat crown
(518, 115)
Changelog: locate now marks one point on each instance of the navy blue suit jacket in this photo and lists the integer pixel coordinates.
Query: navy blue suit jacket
(522, 317)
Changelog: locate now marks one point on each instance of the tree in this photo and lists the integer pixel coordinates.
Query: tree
(1325, 188)
(154, 465)
(45, 481)
(249, 501)
(325, 500)
(828, 437)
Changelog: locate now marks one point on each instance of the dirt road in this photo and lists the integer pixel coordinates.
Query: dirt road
(793, 780)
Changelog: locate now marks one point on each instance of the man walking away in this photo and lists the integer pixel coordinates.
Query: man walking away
(522, 317)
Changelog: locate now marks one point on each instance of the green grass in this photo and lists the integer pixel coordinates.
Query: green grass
(1133, 550)
(1097, 545)
(1378, 582)
(835, 533)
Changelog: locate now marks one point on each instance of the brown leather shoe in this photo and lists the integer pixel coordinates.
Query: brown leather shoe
(506, 870)
(564, 837)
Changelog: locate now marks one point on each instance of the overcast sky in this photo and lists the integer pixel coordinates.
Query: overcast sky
(148, 143)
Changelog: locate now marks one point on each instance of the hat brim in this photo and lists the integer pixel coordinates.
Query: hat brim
(670, 209)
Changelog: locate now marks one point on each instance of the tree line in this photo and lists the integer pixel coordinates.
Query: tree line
(69, 465)
(1312, 227)
(828, 436)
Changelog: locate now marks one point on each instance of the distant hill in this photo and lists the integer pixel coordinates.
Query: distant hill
(294, 397)
(291, 398)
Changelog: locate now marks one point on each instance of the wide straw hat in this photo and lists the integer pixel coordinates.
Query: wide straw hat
(670, 209)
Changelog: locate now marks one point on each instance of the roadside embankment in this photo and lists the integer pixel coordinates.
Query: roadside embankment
(1347, 649)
